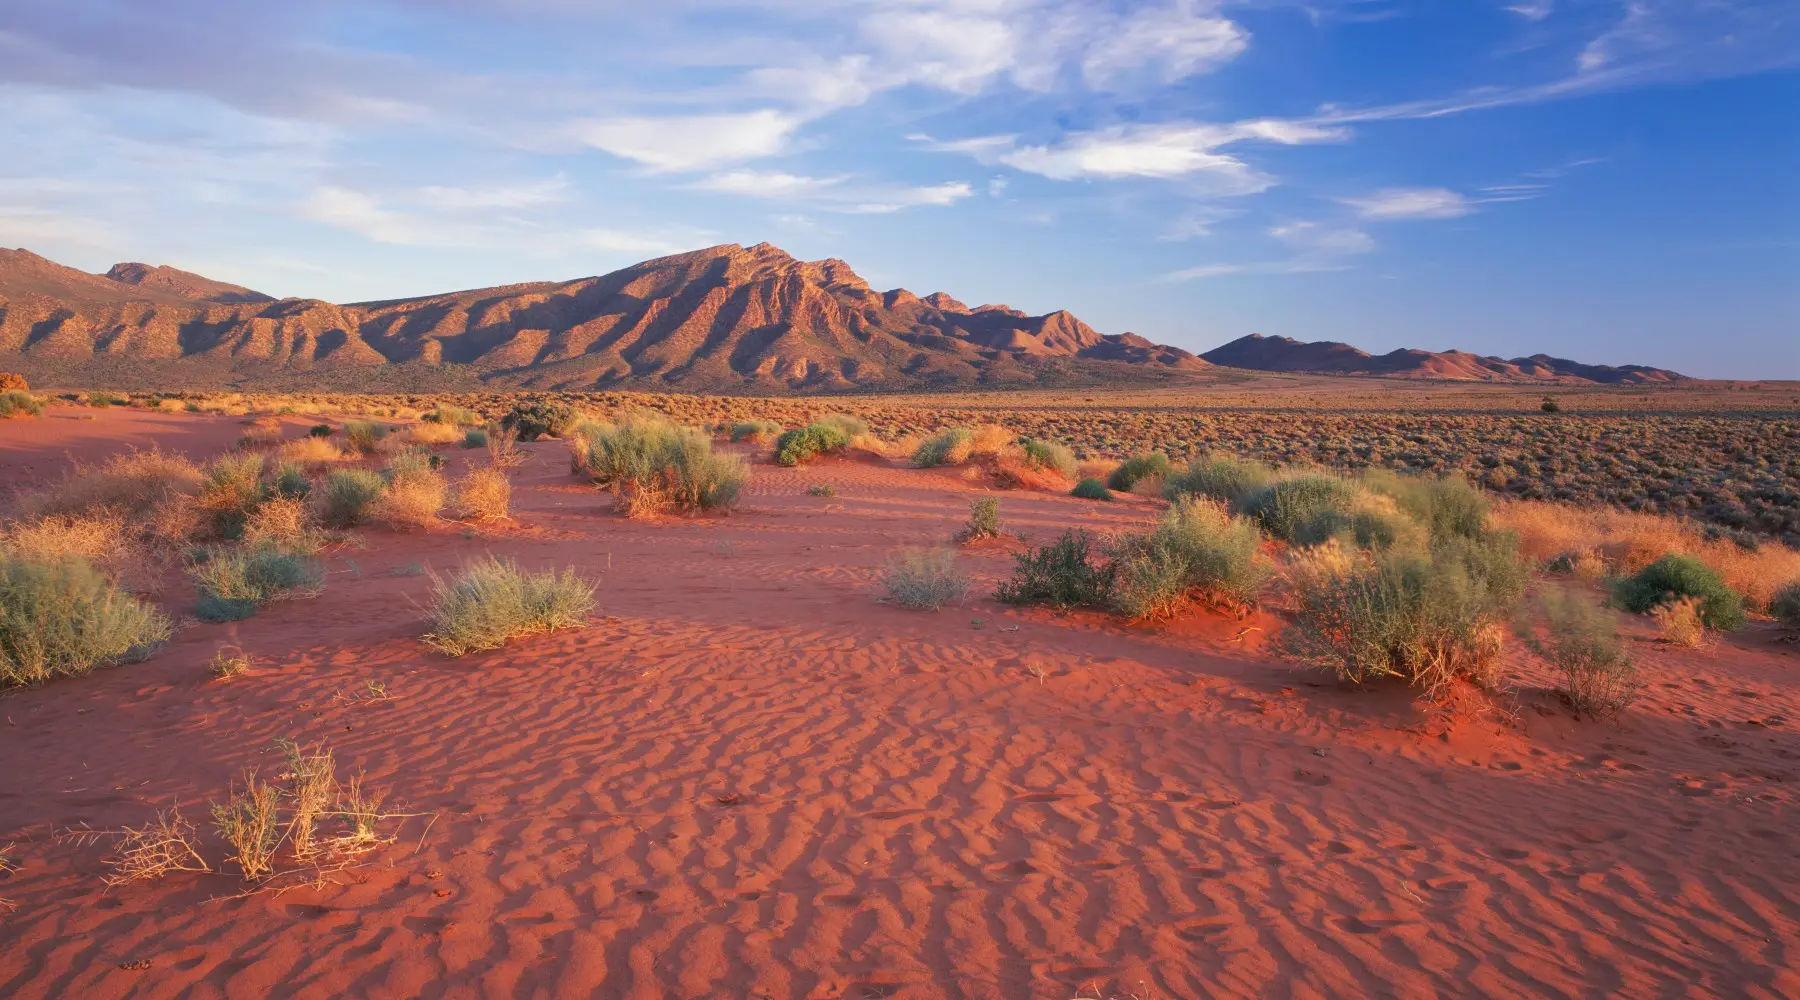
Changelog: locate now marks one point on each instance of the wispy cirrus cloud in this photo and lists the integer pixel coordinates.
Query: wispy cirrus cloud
(1312, 247)
(1394, 204)
(842, 193)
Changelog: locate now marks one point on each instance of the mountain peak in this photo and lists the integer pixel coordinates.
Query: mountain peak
(1329, 357)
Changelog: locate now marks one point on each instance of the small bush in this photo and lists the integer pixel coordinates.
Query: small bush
(801, 445)
(1583, 644)
(1305, 510)
(309, 452)
(1220, 477)
(754, 431)
(1676, 576)
(250, 822)
(229, 663)
(1785, 605)
(1091, 489)
(946, 447)
(1198, 550)
(364, 436)
(1445, 505)
(350, 495)
(100, 539)
(1154, 465)
(475, 437)
(1049, 455)
(17, 403)
(491, 602)
(1550, 405)
(285, 523)
(484, 494)
(320, 431)
(434, 433)
(1431, 619)
(530, 421)
(454, 416)
(63, 617)
(1062, 575)
(415, 492)
(926, 579)
(984, 521)
(134, 483)
(653, 465)
(235, 583)
(291, 481)
(231, 491)
(821, 490)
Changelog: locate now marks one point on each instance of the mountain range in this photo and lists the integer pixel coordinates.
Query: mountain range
(725, 319)
(1328, 357)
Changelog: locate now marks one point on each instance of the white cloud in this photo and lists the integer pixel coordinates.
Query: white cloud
(1167, 44)
(1535, 10)
(504, 196)
(690, 142)
(1170, 150)
(1312, 247)
(839, 194)
(368, 216)
(1394, 204)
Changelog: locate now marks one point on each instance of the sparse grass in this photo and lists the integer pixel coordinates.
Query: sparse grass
(1681, 621)
(1154, 465)
(503, 449)
(926, 579)
(492, 601)
(133, 483)
(1199, 550)
(432, 433)
(475, 437)
(351, 494)
(250, 821)
(1598, 678)
(1066, 574)
(484, 494)
(234, 583)
(311, 789)
(1049, 455)
(1433, 620)
(229, 662)
(984, 520)
(360, 807)
(653, 465)
(453, 416)
(1225, 478)
(1091, 489)
(754, 431)
(947, 447)
(61, 618)
(310, 452)
(231, 490)
(18, 403)
(364, 436)
(100, 539)
(1678, 576)
(415, 492)
(821, 490)
(155, 849)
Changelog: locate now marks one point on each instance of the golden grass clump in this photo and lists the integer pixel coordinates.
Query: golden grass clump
(100, 538)
(926, 579)
(310, 451)
(250, 821)
(492, 602)
(132, 482)
(312, 787)
(1680, 622)
(414, 495)
(284, 522)
(484, 494)
(430, 434)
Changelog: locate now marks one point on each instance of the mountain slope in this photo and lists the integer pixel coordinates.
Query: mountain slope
(723, 318)
(1327, 357)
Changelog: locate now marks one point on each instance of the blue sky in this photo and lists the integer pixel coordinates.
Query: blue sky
(1610, 181)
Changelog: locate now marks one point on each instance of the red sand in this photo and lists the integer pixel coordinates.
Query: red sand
(750, 779)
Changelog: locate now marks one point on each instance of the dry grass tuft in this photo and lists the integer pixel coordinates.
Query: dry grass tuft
(312, 452)
(154, 850)
(229, 662)
(926, 579)
(131, 483)
(430, 434)
(415, 493)
(250, 821)
(285, 522)
(101, 538)
(1681, 622)
(312, 788)
(484, 494)
(492, 601)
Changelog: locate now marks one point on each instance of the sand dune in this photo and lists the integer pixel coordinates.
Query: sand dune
(748, 778)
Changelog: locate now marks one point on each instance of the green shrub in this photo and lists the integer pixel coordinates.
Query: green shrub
(652, 464)
(61, 618)
(1674, 576)
(291, 481)
(926, 579)
(320, 431)
(845, 424)
(364, 435)
(1063, 575)
(1198, 550)
(531, 421)
(1049, 455)
(1305, 510)
(1598, 677)
(16, 403)
(1785, 605)
(1091, 489)
(1430, 618)
(453, 416)
(1445, 505)
(984, 520)
(806, 443)
(491, 602)
(1219, 477)
(946, 447)
(231, 491)
(1154, 465)
(234, 583)
(475, 437)
(350, 495)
